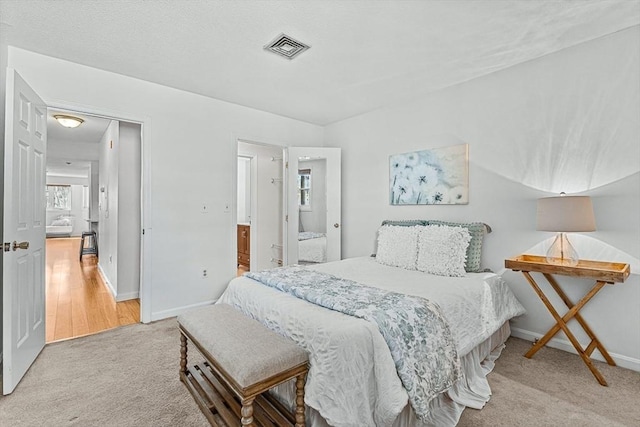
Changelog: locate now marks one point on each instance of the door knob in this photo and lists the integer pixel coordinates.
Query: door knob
(21, 245)
(336, 225)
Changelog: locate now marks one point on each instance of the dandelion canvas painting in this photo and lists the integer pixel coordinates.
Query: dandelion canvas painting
(430, 177)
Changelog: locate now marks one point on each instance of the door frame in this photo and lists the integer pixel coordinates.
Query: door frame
(146, 237)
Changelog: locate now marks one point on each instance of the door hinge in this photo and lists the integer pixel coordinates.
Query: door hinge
(143, 231)
(7, 247)
(286, 165)
(286, 219)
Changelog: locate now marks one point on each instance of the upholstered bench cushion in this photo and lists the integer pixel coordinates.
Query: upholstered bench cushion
(247, 350)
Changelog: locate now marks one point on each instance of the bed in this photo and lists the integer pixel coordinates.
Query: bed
(353, 379)
(312, 247)
(60, 227)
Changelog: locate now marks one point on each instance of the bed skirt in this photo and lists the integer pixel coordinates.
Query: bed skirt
(472, 390)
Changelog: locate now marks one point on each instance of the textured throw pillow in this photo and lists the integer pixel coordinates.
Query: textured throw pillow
(442, 250)
(474, 251)
(398, 246)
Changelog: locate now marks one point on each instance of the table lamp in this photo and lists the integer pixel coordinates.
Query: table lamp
(564, 214)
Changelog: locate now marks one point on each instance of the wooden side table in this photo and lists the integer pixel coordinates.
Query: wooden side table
(605, 273)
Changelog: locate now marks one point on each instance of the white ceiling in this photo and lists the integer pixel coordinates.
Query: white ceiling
(68, 168)
(90, 131)
(364, 54)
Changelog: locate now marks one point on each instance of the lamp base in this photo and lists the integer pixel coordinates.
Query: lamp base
(562, 252)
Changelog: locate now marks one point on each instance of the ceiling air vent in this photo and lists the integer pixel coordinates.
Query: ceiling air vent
(286, 46)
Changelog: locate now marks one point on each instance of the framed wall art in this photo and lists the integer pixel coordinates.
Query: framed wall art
(438, 176)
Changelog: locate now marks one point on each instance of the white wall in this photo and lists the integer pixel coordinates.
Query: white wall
(94, 193)
(108, 205)
(316, 218)
(266, 222)
(119, 209)
(189, 147)
(78, 211)
(565, 122)
(70, 150)
(129, 227)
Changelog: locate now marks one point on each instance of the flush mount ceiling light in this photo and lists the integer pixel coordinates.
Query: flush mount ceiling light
(286, 46)
(68, 121)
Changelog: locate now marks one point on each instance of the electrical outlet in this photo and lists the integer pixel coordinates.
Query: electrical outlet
(204, 274)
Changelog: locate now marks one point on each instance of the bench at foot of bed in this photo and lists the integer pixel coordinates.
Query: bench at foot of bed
(242, 360)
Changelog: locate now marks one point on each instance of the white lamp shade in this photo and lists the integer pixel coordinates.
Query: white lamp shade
(566, 214)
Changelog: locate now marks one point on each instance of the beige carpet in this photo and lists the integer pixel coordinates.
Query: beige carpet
(122, 377)
(556, 388)
(129, 377)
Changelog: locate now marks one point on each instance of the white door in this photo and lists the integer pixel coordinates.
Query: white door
(318, 169)
(23, 260)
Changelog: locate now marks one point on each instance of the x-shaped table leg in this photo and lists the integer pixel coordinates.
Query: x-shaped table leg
(561, 323)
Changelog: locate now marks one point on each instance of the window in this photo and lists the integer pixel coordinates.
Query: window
(59, 197)
(304, 189)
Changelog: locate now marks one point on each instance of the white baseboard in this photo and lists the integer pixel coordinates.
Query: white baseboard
(118, 298)
(159, 315)
(127, 296)
(106, 281)
(564, 344)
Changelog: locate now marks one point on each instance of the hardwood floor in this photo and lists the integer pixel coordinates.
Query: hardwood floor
(78, 301)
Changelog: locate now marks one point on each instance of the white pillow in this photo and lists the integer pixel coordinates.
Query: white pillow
(442, 250)
(398, 246)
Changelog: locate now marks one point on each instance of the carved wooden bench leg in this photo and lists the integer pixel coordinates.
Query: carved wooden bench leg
(183, 354)
(300, 380)
(247, 413)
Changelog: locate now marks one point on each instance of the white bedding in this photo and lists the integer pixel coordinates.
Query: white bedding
(352, 379)
(313, 250)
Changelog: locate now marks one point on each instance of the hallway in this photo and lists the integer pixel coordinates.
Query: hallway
(78, 301)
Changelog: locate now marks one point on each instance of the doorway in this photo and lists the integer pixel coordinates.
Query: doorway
(259, 210)
(24, 213)
(289, 205)
(244, 214)
(93, 178)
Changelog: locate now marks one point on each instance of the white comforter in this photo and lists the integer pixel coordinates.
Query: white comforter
(352, 379)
